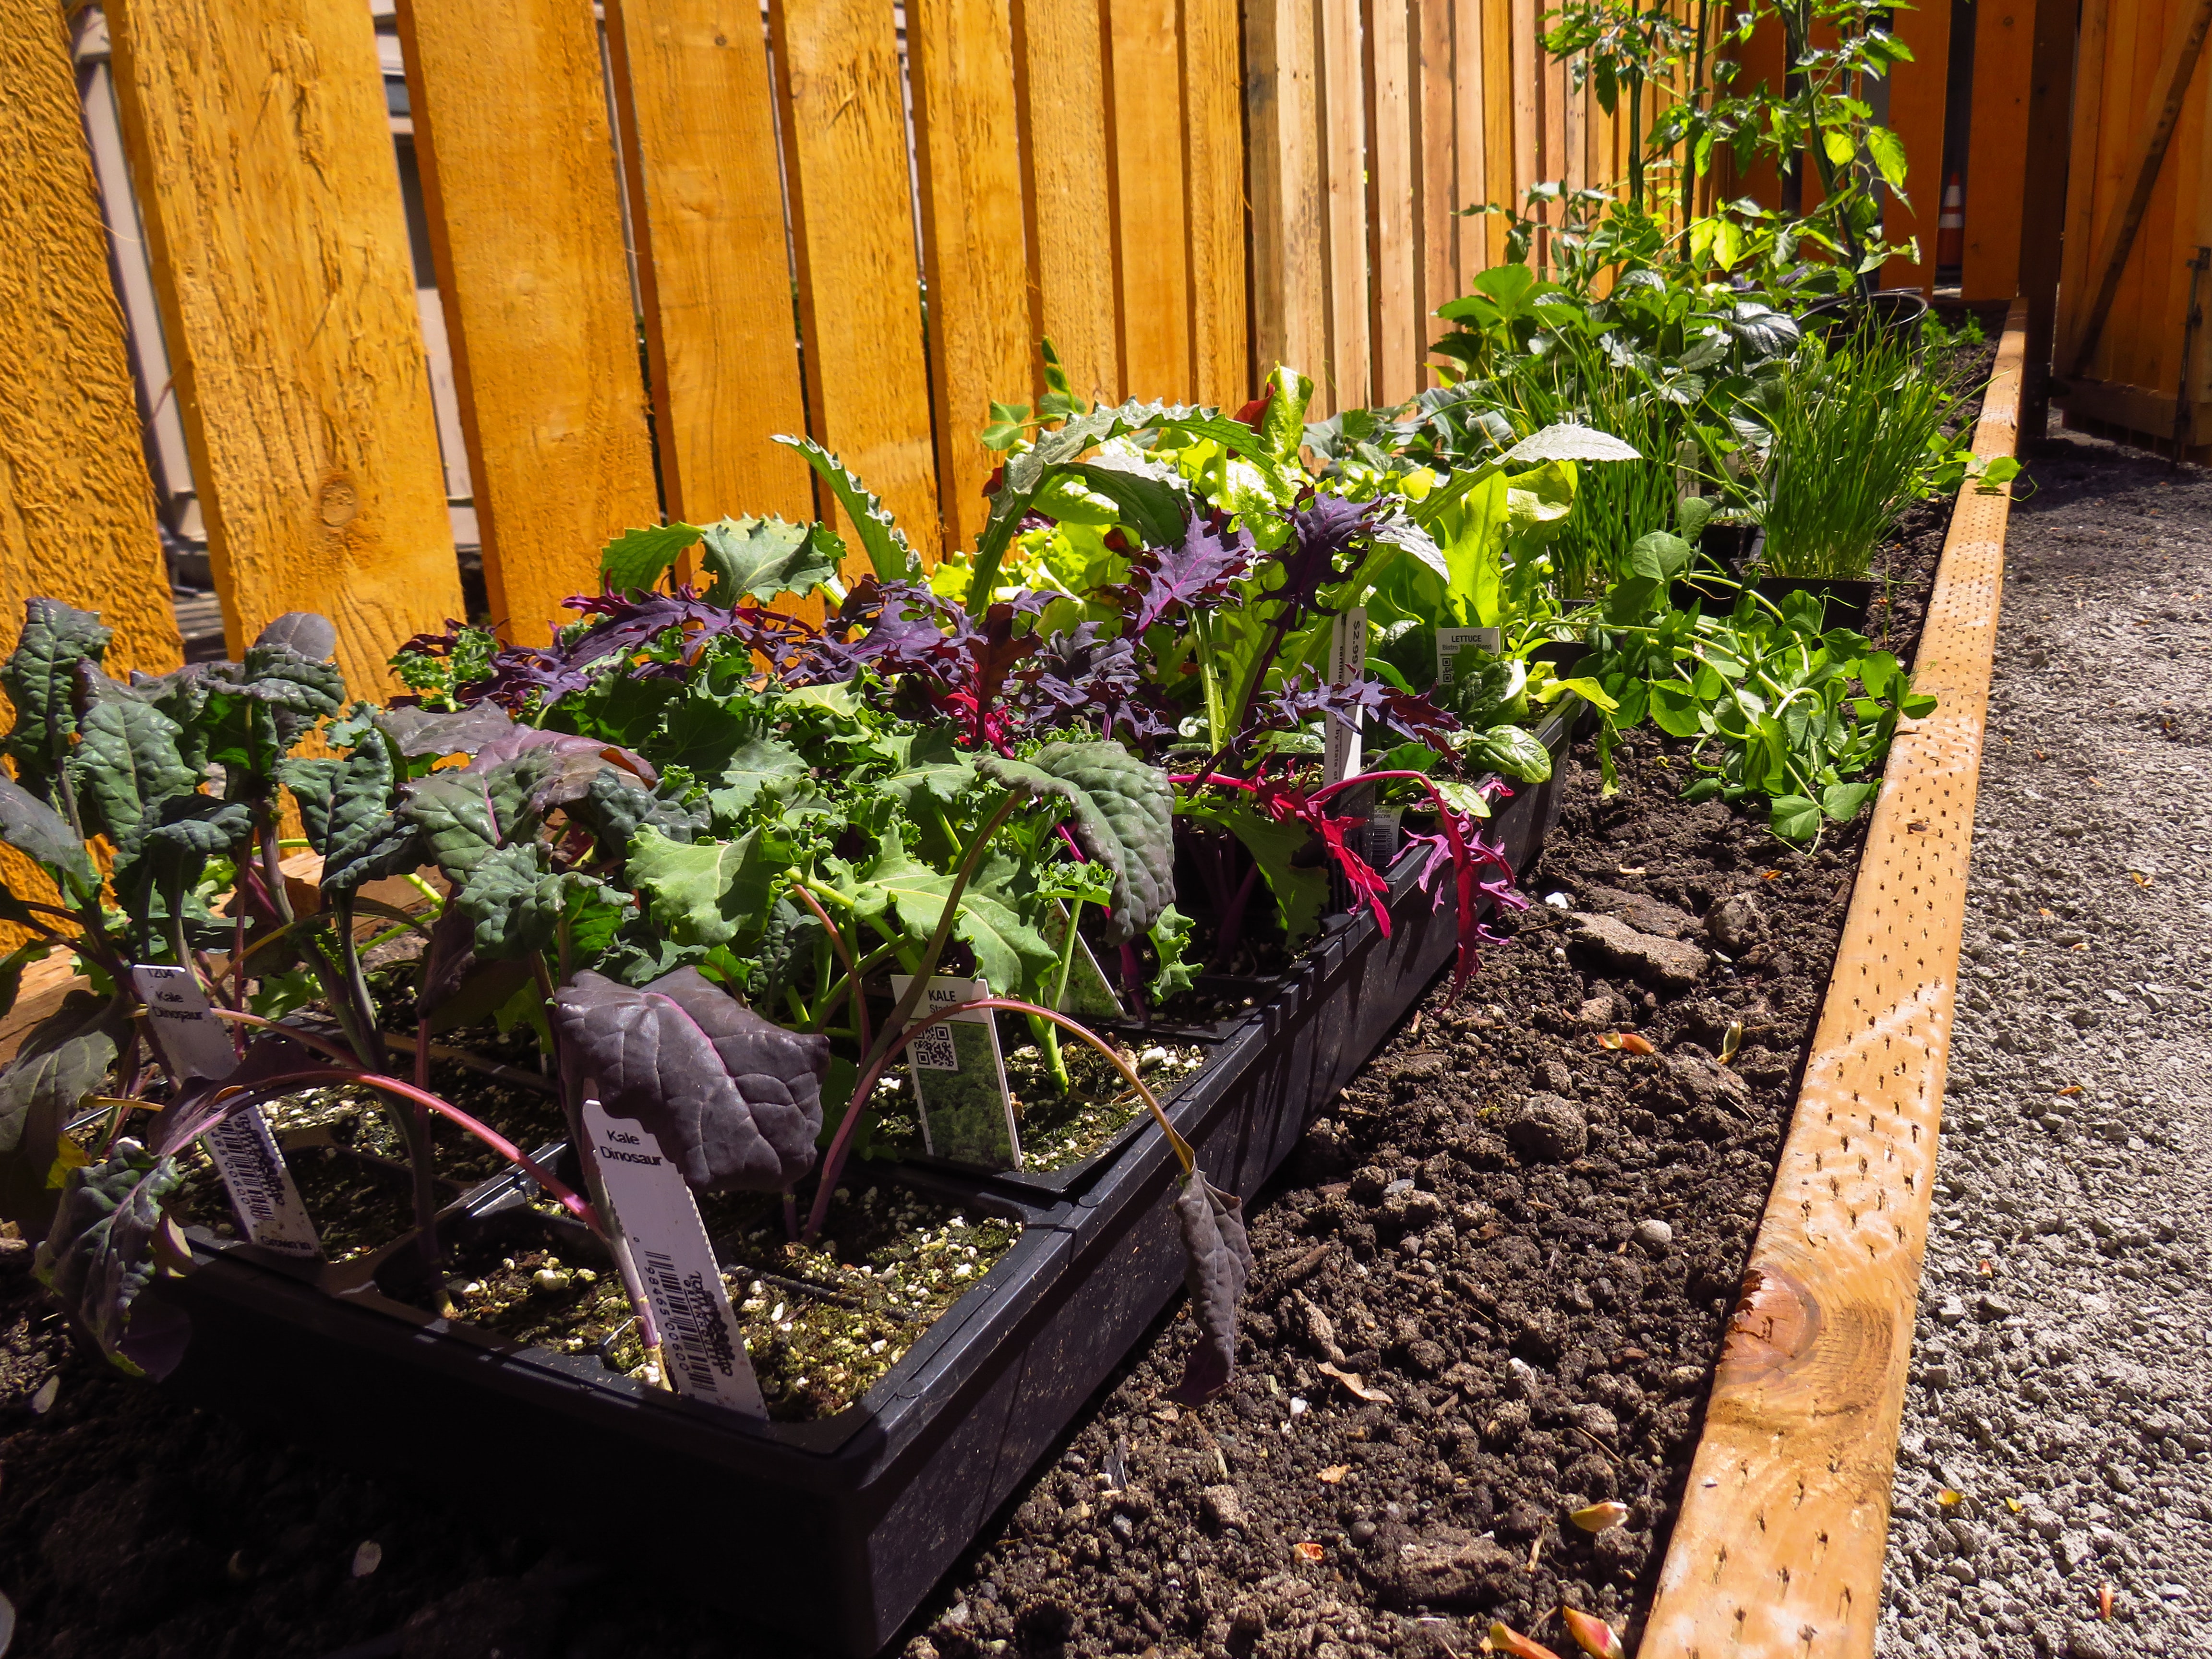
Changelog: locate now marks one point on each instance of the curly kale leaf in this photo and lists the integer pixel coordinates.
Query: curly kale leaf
(734, 1100)
(764, 559)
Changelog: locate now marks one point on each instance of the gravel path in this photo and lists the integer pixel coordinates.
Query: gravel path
(2056, 1435)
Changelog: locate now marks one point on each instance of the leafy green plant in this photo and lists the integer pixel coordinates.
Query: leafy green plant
(1776, 709)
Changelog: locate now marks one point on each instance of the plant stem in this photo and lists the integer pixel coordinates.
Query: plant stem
(887, 1040)
(195, 1124)
(834, 1163)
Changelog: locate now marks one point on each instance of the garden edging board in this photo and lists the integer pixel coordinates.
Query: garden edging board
(1780, 1545)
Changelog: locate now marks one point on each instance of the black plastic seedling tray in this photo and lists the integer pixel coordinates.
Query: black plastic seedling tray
(830, 1531)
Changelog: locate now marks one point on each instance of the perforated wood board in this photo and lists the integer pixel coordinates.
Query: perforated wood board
(1779, 1550)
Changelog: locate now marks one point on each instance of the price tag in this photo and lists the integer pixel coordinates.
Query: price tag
(967, 1111)
(1348, 661)
(702, 1351)
(193, 1043)
(1451, 642)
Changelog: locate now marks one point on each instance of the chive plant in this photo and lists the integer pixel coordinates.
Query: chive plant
(1856, 433)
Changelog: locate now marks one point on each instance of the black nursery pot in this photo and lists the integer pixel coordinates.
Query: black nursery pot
(831, 1531)
(1897, 313)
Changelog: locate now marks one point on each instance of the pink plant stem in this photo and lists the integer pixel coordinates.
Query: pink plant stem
(844, 955)
(579, 1207)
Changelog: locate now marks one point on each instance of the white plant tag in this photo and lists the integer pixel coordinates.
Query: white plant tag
(245, 1154)
(702, 1351)
(1378, 836)
(967, 1111)
(1089, 995)
(1451, 642)
(1348, 661)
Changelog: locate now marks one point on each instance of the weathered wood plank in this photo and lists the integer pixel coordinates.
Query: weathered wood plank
(262, 151)
(1343, 184)
(974, 242)
(867, 386)
(1778, 1548)
(2167, 89)
(1393, 251)
(1281, 99)
(1061, 80)
(1214, 151)
(76, 508)
(706, 194)
(1152, 230)
(512, 135)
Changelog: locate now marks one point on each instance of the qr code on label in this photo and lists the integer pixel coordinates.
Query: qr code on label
(933, 1051)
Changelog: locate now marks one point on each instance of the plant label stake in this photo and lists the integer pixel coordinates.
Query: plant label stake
(702, 1350)
(1451, 642)
(1348, 661)
(971, 1119)
(246, 1155)
(1088, 996)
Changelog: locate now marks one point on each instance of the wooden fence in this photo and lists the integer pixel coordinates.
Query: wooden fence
(2138, 211)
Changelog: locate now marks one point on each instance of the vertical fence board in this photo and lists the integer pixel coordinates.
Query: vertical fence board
(76, 508)
(1997, 151)
(1145, 116)
(1518, 68)
(1483, 132)
(1060, 83)
(852, 223)
(1289, 297)
(1436, 121)
(1213, 162)
(1344, 183)
(2092, 72)
(511, 134)
(1393, 255)
(1916, 109)
(707, 196)
(261, 152)
(974, 242)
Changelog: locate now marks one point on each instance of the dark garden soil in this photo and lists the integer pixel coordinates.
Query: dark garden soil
(1491, 1287)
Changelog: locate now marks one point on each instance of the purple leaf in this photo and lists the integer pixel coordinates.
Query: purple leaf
(1217, 1261)
(734, 1100)
(1197, 571)
(1323, 533)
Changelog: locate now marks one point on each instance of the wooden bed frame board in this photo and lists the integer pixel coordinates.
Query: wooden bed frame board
(1778, 1549)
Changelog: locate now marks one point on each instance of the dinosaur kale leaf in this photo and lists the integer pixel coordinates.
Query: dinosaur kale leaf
(1217, 1262)
(41, 677)
(99, 1256)
(1121, 812)
(734, 1100)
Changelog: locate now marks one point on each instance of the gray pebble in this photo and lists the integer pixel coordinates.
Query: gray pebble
(1654, 1234)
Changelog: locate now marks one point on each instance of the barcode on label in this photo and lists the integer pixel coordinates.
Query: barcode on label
(935, 1050)
(702, 1344)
